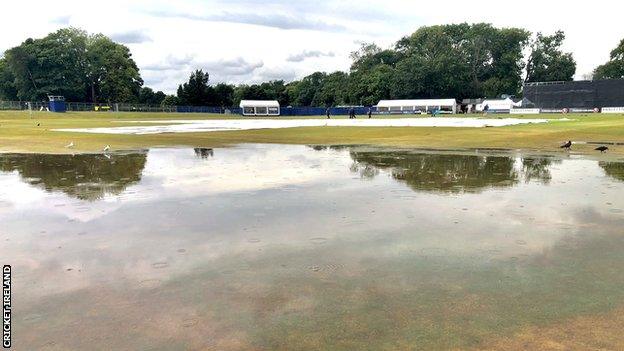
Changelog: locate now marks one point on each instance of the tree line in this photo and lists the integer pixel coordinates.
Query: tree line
(454, 60)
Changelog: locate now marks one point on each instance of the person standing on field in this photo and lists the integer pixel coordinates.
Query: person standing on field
(370, 112)
(327, 112)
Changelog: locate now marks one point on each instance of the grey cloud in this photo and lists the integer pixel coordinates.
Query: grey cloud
(268, 20)
(235, 67)
(308, 54)
(131, 37)
(276, 73)
(175, 70)
(171, 63)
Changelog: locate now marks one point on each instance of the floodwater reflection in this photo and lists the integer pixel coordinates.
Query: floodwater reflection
(268, 247)
(83, 176)
(613, 169)
(451, 173)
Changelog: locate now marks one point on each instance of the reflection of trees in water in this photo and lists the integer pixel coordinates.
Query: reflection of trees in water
(538, 168)
(452, 173)
(613, 169)
(332, 147)
(364, 170)
(203, 152)
(445, 172)
(86, 177)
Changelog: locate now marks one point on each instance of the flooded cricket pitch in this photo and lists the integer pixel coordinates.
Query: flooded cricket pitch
(279, 247)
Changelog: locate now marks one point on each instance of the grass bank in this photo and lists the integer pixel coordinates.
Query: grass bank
(22, 132)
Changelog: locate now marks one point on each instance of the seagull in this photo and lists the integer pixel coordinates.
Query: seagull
(107, 147)
(71, 144)
(601, 149)
(567, 145)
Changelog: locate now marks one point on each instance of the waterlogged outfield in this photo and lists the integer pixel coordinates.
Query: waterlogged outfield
(20, 133)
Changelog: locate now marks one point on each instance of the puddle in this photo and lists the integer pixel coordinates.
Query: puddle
(282, 247)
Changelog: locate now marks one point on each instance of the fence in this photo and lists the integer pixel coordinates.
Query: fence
(128, 107)
(612, 110)
(524, 111)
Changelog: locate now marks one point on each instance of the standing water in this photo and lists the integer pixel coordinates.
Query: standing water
(276, 247)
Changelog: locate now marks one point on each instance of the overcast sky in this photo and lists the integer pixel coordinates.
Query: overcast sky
(246, 41)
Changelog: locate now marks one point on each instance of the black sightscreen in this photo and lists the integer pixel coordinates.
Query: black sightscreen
(584, 94)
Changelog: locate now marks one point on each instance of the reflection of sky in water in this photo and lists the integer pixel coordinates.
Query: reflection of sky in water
(255, 203)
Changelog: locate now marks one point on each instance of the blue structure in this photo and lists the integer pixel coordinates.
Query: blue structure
(57, 104)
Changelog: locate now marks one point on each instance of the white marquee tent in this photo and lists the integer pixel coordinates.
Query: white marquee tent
(419, 105)
(260, 107)
(499, 105)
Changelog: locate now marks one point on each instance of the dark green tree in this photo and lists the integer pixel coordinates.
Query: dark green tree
(72, 63)
(170, 100)
(614, 68)
(547, 63)
(54, 65)
(149, 97)
(113, 76)
(7, 85)
(224, 94)
(334, 90)
(196, 92)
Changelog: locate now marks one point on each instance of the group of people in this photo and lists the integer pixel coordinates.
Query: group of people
(351, 113)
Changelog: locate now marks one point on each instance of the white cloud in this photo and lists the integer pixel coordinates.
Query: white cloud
(248, 41)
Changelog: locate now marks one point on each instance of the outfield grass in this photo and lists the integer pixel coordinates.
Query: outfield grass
(19, 133)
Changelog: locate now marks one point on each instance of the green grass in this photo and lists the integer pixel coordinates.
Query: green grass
(19, 133)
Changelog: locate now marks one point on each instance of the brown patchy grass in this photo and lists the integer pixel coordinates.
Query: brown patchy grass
(587, 333)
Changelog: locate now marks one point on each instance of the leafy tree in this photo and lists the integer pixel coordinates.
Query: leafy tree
(52, 65)
(224, 94)
(72, 63)
(304, 93)
(367, 88)
(196, 92)
(148, 96)
(112, 73)
(460, 60)
(273, 90)
(334, 90)
(614, 68)
(547, 62)
(370, 55)
(170, 100)
(7, 85)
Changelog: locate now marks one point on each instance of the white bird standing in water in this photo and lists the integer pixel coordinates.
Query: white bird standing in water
(71, 144)
(107, 147)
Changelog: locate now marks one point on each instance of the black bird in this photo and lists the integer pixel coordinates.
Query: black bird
(601, 149)
(567, 145)
(38, 124)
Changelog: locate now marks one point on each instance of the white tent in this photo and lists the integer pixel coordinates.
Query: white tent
(499, 105)
(260, 107)
(415, 106)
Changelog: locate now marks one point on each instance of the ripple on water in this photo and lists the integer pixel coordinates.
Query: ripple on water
(160, 265)
(149, 283)
(318, 240)
(326, 267)
(190, 322)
